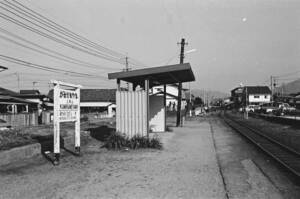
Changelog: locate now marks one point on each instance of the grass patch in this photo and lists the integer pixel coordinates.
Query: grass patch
(118, 141)
(14, 138)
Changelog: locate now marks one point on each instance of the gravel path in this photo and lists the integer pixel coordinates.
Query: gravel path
(185, 168)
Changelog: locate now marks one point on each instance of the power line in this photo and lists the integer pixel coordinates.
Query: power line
(63, 57)
(45, 68)
(59, 34)
(136, 62)
(72, 46)
(68, 35)
(65, 30)
(62, 30)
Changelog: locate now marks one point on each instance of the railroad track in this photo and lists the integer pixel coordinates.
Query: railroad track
(286, 156)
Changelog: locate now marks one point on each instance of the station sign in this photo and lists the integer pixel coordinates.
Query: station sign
(68, 105)
(66, 98)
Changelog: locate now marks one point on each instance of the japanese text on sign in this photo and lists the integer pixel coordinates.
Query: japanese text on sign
(68, 105)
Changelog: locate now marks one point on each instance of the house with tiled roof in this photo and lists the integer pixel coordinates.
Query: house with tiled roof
(16, 111)
(237, 96)
(96, 101)
(11, 102)
(254, 95)
(257, 95)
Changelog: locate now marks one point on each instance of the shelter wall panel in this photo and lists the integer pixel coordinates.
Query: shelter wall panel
(157, 114)
(130, 107)
(130, 113)
(22, 119)
(118, 111)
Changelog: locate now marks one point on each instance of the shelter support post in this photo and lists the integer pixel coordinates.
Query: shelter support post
(56, 127)
(147, 105)
(77, 125)
(118, 84)
(165, 105)
(15, 109)
(178, 119)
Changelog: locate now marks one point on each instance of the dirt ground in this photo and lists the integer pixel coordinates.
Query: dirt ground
(204, 159)
(185, 168)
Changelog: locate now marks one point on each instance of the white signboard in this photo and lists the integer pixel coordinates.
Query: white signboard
(68, 105)
(66, 109)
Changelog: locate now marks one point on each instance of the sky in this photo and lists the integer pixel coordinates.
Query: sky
(236, 41)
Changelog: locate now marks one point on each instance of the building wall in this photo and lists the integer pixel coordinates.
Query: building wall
(157, 114)
(20, 119)
(171, 102)
(259, 98)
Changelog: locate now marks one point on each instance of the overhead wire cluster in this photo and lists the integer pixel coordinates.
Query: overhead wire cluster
(26, 18)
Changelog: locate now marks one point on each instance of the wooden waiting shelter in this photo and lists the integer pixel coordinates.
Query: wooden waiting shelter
(138, 113)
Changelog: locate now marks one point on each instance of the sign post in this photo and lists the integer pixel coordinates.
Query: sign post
(66, 109)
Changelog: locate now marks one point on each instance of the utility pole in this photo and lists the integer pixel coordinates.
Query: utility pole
(190, 105)
(18, 79)
(33, 85)
(246, 104)
(126, 63)
(274, 86)
(271, 85)
(178, 120)
(127, 69)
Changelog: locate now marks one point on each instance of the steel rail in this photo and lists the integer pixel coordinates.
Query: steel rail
(283, 154)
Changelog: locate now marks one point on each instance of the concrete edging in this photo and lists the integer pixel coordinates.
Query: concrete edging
(19, 153)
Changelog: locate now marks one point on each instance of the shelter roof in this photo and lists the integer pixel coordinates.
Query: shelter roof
(258, 90)
(30, 92)
(4, 91)
(6, 99)
(94, 95)
(169, 74)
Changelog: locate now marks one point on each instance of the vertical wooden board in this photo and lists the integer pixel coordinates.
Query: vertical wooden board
(133, 105)
(130, 114)
(118, 110)
(122, 108)
(77, 123)
(144, 104)
(141, 113)
(56, 122)
(135, 118)
(121, 111)
(125, 113)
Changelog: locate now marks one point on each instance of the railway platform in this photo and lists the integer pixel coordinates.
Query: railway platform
(203, 159)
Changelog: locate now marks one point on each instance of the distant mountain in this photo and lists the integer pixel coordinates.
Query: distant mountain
(288, 88)
(207, 94)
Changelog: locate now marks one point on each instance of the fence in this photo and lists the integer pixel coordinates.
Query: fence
(277, 119)
(20, 119)
(131, 113)
(47, 117)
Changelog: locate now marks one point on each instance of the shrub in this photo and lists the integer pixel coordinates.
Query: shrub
(119, 141)
(14, 138)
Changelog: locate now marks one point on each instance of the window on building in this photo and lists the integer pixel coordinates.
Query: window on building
(266, 96)
(256, 96)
